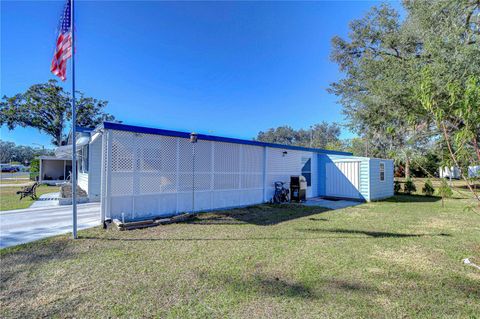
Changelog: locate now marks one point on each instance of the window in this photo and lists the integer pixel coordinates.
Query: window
(382, 172)
(307, 170)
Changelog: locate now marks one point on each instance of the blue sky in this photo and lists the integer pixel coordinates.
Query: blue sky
(222, 68)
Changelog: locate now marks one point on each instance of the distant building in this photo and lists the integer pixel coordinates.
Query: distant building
(456, 173)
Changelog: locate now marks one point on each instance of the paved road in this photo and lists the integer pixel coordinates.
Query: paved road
(25, 225)
(17, 175)
(16, 185)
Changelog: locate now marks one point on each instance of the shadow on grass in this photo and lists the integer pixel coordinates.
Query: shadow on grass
(403, 198)
(25, 257)
(360, 235)
(275, 286)
(257, 284)
(290, 238)
(474, 186)
(374, 234)
(262, 215)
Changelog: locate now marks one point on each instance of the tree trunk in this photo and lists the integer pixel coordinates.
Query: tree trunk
(476, 147)
(407, 168)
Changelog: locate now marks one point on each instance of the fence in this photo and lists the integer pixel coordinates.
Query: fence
(147, 174)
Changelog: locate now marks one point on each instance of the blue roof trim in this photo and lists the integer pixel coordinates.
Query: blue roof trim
(80, 129)
(157, 131)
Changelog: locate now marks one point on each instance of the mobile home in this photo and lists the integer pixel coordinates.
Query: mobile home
(139, 172)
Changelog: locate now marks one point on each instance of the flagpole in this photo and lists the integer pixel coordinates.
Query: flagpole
(74, 129)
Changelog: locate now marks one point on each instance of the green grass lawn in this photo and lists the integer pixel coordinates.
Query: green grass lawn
(15, 181)
(459, 186)
(10, 200)
(396, 258)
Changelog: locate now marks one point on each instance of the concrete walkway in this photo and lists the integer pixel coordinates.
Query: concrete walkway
(46, 200)
(331, 204)
(25, 225)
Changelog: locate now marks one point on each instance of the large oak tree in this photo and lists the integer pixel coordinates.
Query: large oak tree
(48, 108)
(322, 135)
(383, 60)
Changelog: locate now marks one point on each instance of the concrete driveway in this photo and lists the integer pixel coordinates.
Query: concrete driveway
(25, 225)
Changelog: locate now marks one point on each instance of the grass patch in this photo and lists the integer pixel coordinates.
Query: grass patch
(15, 181)
(459, 186)
(10, 200)
(396, 258)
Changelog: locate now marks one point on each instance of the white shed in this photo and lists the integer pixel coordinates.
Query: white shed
(355, 177)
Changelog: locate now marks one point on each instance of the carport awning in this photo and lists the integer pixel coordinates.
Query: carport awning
(66, 150)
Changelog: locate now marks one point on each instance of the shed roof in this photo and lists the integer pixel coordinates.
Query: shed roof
(157, 131)
(54, 158)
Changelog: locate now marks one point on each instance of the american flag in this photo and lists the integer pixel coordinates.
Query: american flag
(63, 49)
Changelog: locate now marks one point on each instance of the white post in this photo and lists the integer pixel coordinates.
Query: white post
(212, 176)
(135, 177)
(103, 178)
(74, 129)
(40, 170)
(108, 172)
(193, 178)
(177, 174)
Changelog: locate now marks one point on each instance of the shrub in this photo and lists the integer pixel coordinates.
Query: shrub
(397, 187)
(34, 169)
(428, 189)
(409, 187)
(445, 191)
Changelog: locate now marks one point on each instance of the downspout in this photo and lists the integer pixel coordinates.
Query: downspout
(265, 153)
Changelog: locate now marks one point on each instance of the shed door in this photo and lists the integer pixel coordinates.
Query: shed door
(342, 179)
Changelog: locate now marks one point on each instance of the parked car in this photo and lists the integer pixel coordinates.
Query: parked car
(20, 168)
(9, 169)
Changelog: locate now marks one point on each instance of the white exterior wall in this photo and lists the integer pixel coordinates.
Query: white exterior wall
(52, 169)
(144, 175)
(90, 181)
(149, 175)
(82, 180)
(94, 169)
(381, 189)
(281, 166)
(364, 179)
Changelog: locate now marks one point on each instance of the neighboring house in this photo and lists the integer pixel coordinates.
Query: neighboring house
(141, 172)
(54, 169)
(456, 173)
(474, 171)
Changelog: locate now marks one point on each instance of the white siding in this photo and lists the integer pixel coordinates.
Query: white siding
(52, 169)
(148, 175)
(364, 178)
(83, 181)
(342, 179)
(152, 175)
(381, 189)
(280, 166)
(90, 182)
(94, 169)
